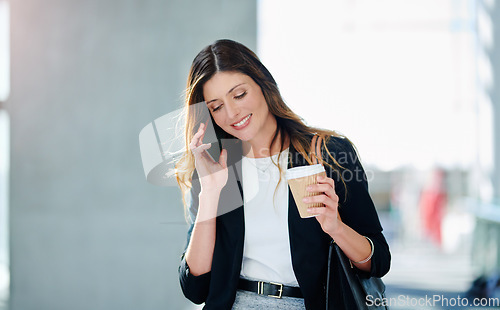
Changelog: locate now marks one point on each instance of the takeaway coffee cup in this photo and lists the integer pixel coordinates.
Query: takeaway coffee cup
(298, 179)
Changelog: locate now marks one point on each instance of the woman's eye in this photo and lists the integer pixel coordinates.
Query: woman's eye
(241, 96)
(216, 108)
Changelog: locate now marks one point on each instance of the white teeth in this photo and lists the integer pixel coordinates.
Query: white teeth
(242, 121)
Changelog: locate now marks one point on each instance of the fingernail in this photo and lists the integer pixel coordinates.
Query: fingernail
(309, 210)
(305, 199)
(309, 188)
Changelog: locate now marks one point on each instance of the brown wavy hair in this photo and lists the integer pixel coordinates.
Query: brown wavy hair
(231, 56)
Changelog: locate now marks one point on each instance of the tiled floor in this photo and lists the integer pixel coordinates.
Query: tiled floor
(423, 276)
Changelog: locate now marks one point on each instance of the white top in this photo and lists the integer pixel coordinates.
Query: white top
(266, 251)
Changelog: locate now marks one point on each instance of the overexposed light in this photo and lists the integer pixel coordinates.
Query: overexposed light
(4, 281)
(393, 76)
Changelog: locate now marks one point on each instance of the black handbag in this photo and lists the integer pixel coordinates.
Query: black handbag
(360, 286)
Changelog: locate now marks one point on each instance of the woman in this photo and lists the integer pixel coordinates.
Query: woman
(240, 255)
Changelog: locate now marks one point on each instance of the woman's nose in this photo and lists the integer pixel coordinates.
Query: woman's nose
(232, 109)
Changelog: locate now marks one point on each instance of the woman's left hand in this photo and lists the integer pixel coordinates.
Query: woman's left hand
(328, 214)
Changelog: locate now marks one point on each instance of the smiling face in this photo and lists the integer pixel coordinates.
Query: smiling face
(238, 106)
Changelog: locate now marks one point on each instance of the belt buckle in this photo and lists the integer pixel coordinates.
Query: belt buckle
(260, 289)
(280, 290)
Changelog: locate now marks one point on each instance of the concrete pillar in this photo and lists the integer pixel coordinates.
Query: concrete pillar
(86, 229)
(494, 92)
(486, 249)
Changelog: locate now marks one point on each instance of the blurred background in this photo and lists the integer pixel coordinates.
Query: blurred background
(414, 84)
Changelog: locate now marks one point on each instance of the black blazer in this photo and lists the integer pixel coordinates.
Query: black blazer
(308, 243)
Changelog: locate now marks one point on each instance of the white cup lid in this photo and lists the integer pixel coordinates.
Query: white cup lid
(303, 171)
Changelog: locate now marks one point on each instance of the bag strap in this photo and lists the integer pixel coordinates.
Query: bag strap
(315, 156)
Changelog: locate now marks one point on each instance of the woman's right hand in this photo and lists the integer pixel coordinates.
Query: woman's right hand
(213, 175)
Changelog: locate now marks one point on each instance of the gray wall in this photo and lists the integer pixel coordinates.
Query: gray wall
(494, 92)
(486, 245)
(87, 230)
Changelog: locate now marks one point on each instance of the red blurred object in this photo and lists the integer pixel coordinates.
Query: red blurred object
(432, 205)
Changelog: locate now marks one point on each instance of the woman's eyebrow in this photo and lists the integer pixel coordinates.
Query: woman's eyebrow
(208, 102)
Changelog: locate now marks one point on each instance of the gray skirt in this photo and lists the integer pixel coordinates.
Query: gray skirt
(249, 300)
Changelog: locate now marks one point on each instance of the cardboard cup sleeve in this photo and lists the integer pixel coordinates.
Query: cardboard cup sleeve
(298, 179)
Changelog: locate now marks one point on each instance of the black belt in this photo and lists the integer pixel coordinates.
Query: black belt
(270, 289)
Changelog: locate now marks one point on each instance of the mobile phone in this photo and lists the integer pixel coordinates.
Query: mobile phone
(202, 115)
